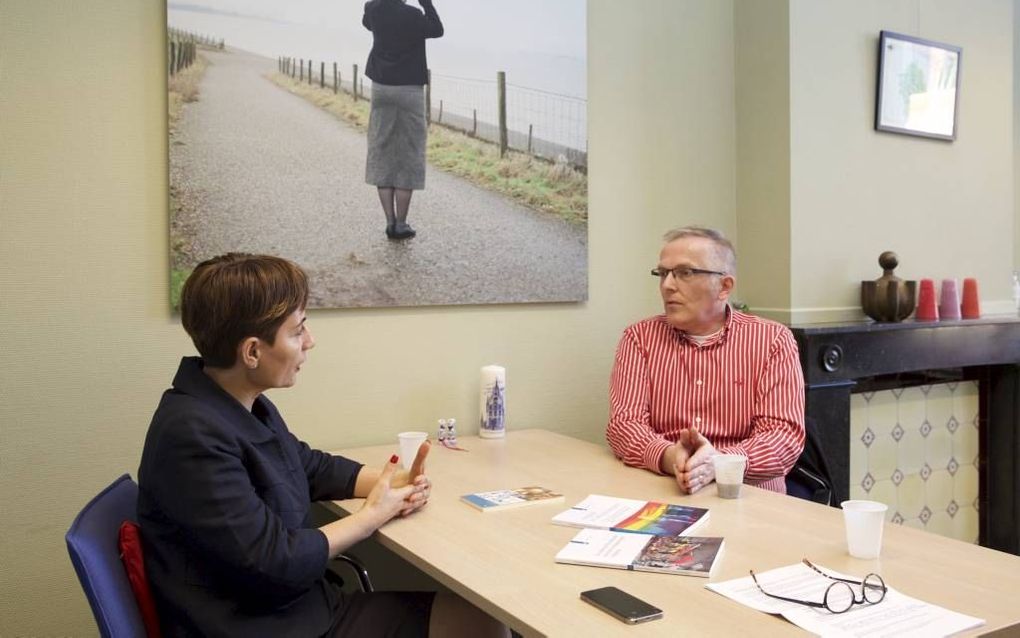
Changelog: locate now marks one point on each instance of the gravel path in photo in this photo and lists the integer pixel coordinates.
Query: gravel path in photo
(257, 169)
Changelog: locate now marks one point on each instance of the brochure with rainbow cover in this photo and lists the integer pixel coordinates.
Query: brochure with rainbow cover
(630, 515)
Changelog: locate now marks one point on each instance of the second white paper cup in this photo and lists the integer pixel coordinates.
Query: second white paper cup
(864, 521)
(409, 444)
(729, 474)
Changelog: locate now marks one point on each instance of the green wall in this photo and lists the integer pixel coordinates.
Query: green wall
(89, 343)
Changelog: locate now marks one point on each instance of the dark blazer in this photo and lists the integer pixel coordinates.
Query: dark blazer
(223, 503)
(398, 41)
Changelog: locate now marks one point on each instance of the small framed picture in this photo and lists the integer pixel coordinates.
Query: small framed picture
(918, 86)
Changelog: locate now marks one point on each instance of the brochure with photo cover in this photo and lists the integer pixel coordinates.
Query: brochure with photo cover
(665, 553)
(507, 499)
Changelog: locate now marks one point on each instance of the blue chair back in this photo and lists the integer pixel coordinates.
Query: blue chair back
(92, 544)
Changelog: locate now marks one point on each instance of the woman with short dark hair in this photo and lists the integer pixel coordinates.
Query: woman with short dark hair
(225, 489)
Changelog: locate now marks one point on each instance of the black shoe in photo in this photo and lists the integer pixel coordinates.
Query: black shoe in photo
(403, 231)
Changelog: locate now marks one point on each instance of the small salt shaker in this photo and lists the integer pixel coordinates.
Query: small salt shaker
(451, 432)
(441, 437)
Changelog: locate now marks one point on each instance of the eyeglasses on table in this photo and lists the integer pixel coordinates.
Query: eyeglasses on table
(839, 596)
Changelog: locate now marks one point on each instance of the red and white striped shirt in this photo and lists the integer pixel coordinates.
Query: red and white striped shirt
(742, 388)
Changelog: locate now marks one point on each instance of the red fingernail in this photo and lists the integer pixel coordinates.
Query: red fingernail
(394, 458)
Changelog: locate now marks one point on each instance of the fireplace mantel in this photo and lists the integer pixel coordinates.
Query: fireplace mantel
(841, 358)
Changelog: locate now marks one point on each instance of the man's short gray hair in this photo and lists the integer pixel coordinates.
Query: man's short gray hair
(725, 252)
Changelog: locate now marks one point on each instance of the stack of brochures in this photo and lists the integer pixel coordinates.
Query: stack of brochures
(624, 533)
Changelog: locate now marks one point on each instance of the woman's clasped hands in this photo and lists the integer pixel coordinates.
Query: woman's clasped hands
(401, 492)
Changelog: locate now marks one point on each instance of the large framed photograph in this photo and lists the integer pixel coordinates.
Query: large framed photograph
(918, 86)
(272, 107)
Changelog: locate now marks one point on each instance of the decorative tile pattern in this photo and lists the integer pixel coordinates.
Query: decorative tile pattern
(910, 452)
(938, 447)
(915, 449)
(911, 409)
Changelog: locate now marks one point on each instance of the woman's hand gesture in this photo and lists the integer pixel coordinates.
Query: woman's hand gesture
(416, 478)
(388, 498)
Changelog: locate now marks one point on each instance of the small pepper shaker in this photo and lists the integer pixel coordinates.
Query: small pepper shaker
(451, 432)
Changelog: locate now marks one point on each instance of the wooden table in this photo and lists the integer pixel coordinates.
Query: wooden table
(503, 561)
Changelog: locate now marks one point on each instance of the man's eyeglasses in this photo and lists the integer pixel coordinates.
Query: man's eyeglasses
(839, 596)
(683, 273)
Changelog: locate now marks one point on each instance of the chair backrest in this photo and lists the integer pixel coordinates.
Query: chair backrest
(92, 544)
(810, 478)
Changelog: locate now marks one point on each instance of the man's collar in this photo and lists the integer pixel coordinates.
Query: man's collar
(716, 337)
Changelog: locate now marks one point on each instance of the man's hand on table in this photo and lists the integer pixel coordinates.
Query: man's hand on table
(693, 467)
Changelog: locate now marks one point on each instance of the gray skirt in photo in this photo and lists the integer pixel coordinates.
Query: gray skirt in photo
(396, 137)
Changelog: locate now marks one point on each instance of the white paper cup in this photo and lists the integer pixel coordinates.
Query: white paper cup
(729, 474)
(409, 444)
(864, 521)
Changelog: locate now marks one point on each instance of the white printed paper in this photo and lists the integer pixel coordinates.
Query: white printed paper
(898, 615)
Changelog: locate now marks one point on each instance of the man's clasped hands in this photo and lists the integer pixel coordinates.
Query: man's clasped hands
(690, 461)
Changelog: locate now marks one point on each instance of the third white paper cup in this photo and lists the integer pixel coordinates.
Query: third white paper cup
(864, 521)
(409, 444)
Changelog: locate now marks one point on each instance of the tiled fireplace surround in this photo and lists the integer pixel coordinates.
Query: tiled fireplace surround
(924, 417)
(916, 450)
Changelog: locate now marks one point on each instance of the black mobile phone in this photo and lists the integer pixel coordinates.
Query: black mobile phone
(621, 605)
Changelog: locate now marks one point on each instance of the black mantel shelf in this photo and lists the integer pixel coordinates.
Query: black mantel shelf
(841, 358)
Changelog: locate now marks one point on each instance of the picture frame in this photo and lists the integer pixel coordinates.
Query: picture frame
(918, 86)
(269, 108)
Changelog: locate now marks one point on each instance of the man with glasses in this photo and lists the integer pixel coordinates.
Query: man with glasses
(702, 379)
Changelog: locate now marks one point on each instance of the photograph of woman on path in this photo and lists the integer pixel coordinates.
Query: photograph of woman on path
(397, 128)
(283, 141)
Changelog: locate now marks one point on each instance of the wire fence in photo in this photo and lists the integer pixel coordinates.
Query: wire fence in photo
(537, 122)
(544, 124)
(182, 46)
